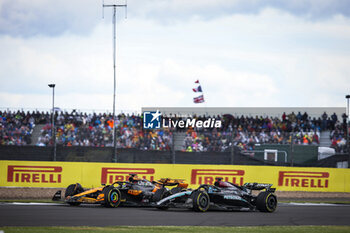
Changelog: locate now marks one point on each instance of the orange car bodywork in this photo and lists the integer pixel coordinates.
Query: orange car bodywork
(159, 184)
(100, 198)
(171, 182)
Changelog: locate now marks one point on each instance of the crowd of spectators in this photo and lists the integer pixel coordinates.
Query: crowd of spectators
(245, 132)
(82, 129)
(338, 138)
(16, 128)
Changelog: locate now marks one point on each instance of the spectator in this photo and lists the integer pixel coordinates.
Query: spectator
(16, 128)
(324, 120)
(82, 129)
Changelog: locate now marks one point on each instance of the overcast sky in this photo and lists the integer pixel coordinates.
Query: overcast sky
(245, 53)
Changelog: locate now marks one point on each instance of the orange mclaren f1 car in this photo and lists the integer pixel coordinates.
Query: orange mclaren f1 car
(134, 192)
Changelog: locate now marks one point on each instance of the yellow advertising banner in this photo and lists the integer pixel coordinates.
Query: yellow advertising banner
(61, 174)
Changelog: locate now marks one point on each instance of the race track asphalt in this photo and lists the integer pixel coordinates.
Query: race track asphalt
(88, 215)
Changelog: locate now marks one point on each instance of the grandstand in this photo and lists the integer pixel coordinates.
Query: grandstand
(244, 128)
(248, 111)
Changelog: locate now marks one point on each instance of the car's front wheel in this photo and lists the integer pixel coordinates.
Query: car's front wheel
(111, 197)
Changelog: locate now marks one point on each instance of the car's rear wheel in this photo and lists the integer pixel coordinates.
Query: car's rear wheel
(111, 197)
(266, 202)
(159, 194)
(72, 190)
(201, 201)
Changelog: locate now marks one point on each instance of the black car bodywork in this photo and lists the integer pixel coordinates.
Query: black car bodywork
(224, 195)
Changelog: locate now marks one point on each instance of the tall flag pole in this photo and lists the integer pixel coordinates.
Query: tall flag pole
(114, 6)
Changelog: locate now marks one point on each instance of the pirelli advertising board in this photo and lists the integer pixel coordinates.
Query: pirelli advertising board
(61, 174)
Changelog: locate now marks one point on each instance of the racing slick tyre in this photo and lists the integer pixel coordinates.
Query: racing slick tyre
(111, 197)
(201, 201)
(72, 190)
(266, 202)
(159, 195)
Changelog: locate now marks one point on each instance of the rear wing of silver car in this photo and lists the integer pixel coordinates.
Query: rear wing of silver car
(259, 186)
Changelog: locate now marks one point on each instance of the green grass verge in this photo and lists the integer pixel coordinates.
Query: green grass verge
(170, 229)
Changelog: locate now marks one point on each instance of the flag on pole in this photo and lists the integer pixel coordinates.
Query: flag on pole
(199, 99)
(198, 89)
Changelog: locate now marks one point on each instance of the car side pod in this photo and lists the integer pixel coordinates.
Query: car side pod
(164, 203)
